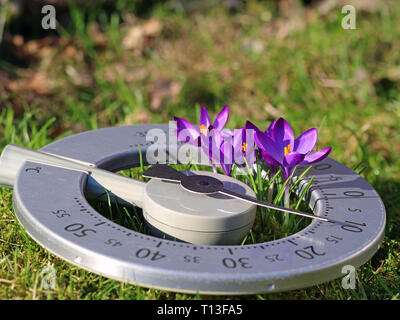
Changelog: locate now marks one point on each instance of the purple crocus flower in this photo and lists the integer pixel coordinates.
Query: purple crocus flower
(187, 133)
(212, 146)
(244, 146)
(281, 149)
(250, 126)
(228, 147)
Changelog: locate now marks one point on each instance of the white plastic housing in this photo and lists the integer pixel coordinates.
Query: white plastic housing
(172, 211)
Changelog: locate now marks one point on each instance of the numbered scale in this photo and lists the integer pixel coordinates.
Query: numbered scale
(50, 203)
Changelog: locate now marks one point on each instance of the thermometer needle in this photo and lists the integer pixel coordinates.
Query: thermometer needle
(165, 172)
(271, 206)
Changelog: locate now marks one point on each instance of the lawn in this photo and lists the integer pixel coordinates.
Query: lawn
(129, 63)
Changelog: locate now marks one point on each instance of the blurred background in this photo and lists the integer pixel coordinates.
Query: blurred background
(120, 62)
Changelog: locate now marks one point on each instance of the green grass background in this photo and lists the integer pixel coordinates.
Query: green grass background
(262, 59)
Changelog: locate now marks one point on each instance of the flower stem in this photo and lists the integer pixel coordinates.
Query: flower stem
(286, 205)
(250, 177)
(270, 192)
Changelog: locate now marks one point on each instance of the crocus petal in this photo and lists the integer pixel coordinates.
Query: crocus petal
(222, 118)
(217, 136)
(293, 159)
(282, 133)
(211, 145)
(207, 147)
(269, 159)
(226, 155)
(266, 143)
(306, 141)
(186, 132)
(317, 156)
(290, 161)
(227, 168)
(225, 133)
(250, 126)
(270, 128)
(204, 119)
(243, 147)
(250, 146)
(238, 139)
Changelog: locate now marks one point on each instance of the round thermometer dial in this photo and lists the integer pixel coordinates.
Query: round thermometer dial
(50, 202)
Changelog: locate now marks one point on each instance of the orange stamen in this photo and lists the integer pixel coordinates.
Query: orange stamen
(287, 149)
(203, 129)
(244, 146)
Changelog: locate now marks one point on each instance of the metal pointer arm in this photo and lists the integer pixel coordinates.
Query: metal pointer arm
(165, 172)
(13, 158)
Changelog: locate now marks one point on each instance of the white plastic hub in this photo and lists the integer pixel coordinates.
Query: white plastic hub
(172, 211)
